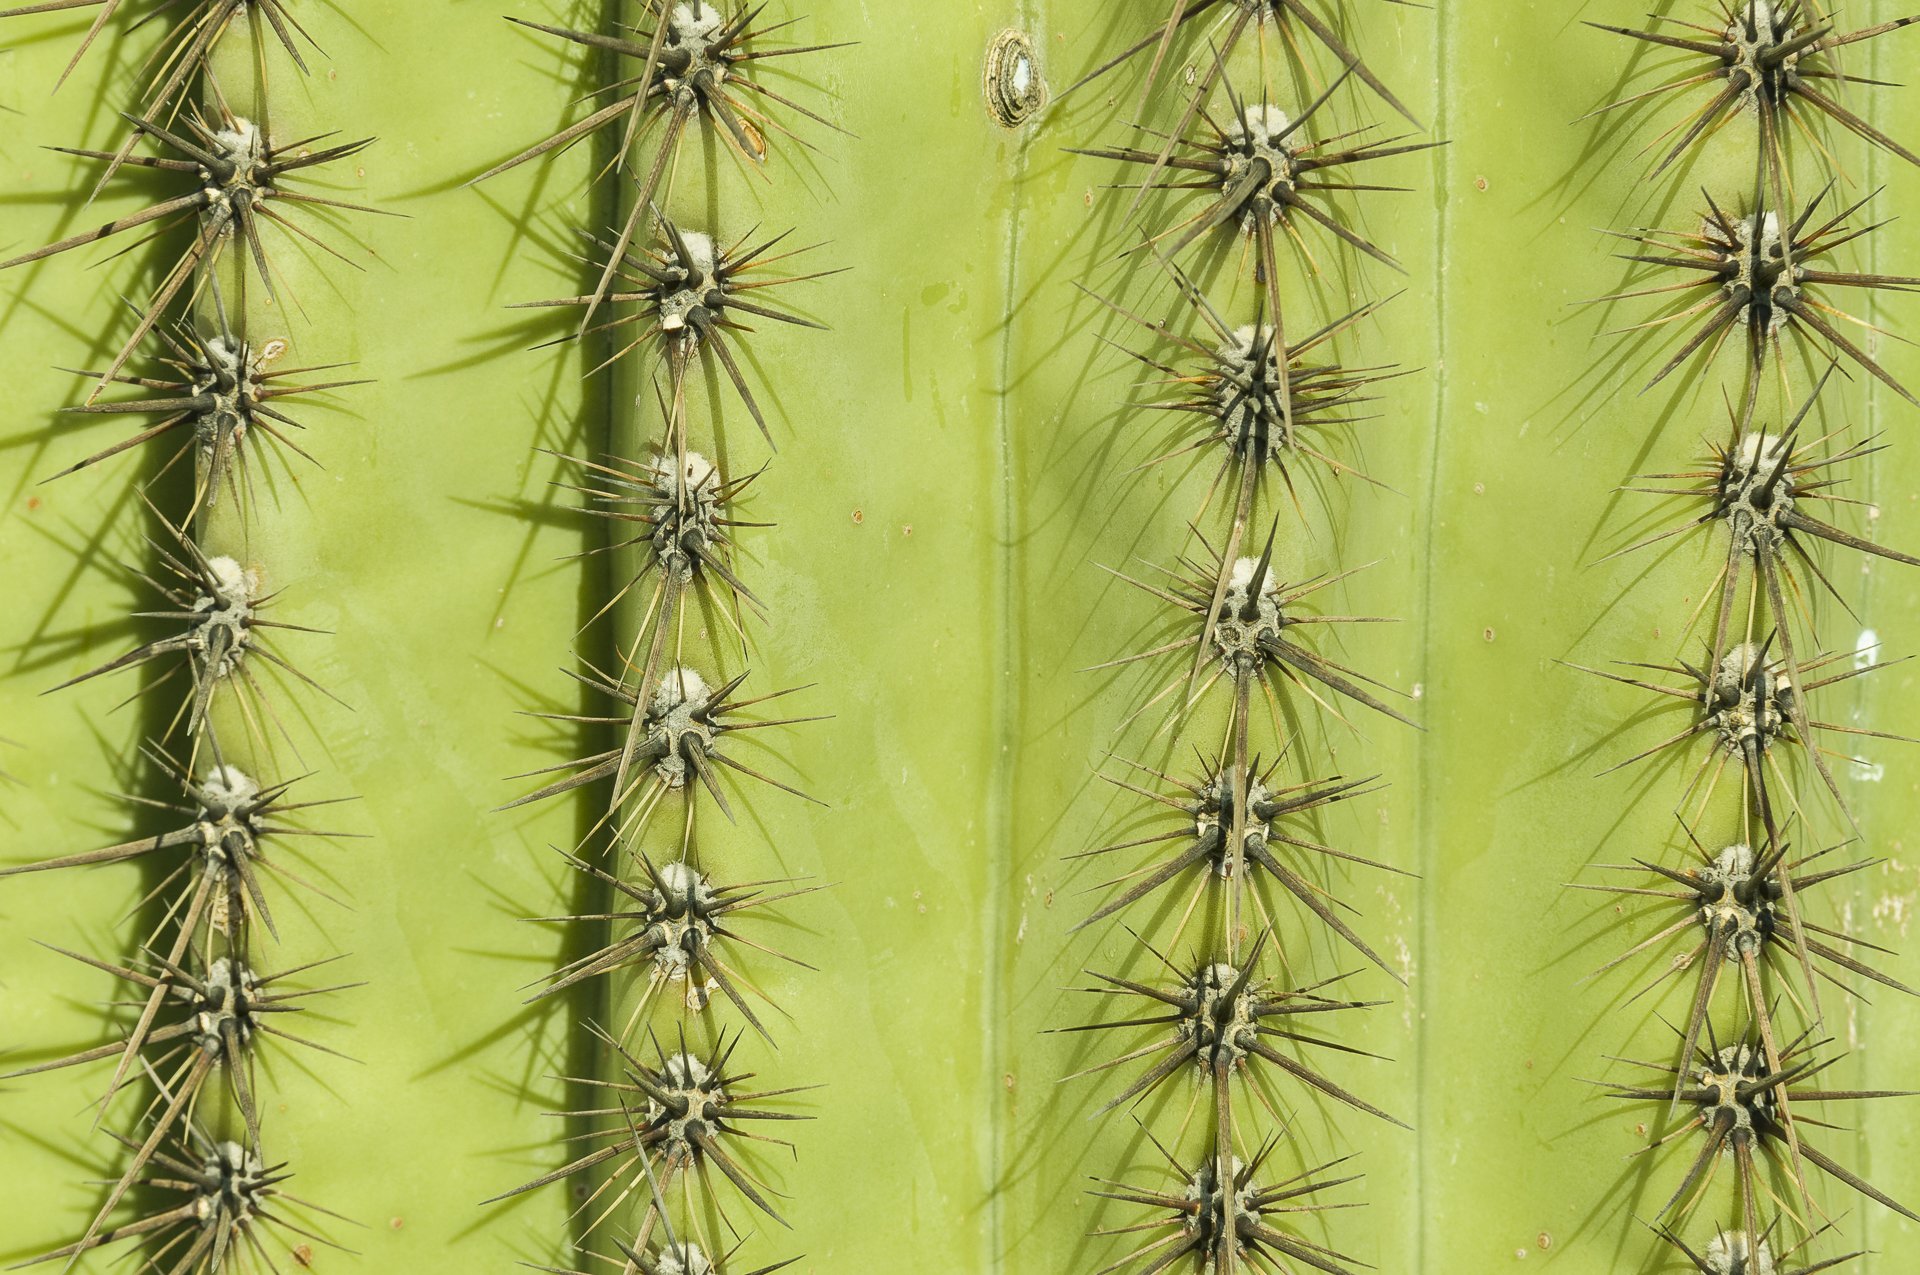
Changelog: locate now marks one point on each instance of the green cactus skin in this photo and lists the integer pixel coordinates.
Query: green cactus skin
(959, 763)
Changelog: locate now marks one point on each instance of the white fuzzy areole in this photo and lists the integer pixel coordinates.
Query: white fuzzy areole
(225, 355)
(228, 1159)
(1724, 1250)
(1761, 449)
(1193, 1191)
(1245, 337)
(684, 1071)
(232, 583)
(1263, 123)
(700, 251)
(681, 879)
(697, 474)
(680, 686)
(1022, 75)
(1735, 861)
(239, 142)
(695, 18)
(230, 786)
(1866, 649)
(685, 1258)
(1242, 576)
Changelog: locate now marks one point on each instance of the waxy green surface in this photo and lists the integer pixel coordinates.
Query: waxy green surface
(953, 463)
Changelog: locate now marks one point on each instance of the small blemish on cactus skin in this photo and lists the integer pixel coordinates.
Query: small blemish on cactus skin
(1012, 84)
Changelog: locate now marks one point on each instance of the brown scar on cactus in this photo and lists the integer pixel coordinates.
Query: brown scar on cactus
(674, 933)
(235, 174)
(690, 66)
(1768, 58)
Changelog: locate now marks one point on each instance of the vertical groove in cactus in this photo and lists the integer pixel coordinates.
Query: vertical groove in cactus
(953, 461)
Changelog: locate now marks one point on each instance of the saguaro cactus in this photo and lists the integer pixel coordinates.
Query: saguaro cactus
(799, 586)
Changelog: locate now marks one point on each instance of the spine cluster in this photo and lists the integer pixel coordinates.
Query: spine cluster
(675, 942)
(199, 370)
(1244, 197)
(1758, 102)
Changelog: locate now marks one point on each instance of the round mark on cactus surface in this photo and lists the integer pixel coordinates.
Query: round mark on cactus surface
(1012, 84)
